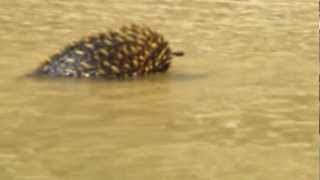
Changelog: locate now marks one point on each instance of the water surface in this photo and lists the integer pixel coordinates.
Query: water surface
(242, 103)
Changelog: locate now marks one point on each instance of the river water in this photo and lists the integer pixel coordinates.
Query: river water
(242, 103)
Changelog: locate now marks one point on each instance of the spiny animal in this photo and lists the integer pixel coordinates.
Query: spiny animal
(132, 51)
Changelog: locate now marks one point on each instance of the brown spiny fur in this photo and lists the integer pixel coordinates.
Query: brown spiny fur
(129, 52)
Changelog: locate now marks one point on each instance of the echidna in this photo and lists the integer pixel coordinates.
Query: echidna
(132, 51)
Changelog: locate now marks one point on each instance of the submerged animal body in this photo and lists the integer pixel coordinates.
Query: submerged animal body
(133, 51)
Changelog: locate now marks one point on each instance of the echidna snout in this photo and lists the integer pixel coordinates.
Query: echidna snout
(178, 53)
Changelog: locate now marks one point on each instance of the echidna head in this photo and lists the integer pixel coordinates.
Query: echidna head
(163, 67)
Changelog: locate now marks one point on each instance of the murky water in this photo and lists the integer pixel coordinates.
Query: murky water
(242, 103)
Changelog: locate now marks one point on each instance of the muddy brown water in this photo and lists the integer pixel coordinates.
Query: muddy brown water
(241, 104)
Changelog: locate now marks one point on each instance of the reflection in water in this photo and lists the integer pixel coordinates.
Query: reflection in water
(240, 103)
